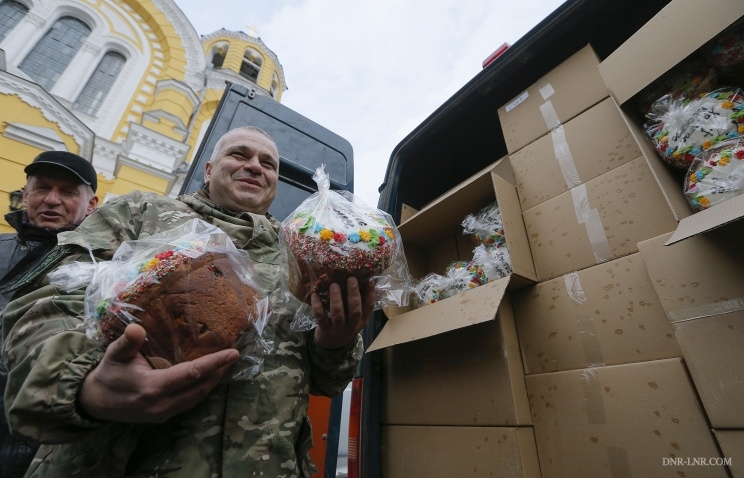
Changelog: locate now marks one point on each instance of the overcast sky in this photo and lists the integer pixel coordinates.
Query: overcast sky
(373, 70)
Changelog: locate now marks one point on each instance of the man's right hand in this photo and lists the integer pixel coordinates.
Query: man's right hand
(125, 388)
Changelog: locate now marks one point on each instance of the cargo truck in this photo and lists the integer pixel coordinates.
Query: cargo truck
(582, 362)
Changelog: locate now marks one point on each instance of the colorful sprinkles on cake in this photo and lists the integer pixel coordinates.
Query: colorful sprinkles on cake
(686, 127)
(716, 175)
(143, 275)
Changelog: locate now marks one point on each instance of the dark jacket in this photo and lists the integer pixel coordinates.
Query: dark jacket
(19, 253)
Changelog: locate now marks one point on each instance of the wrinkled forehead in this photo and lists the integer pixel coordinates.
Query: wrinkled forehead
(253, 139)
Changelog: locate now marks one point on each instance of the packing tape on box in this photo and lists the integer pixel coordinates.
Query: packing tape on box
(564, 157)
(595, 413)
(587, 332)
(707, 310)
(617, 458)
(589, 217)
(549, 115)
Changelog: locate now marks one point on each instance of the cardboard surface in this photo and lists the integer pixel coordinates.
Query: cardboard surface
(409, 452)
(732, 445)
(469, 376)
(700, 277)
(709, 219)
(570, 88)
(598, 221)
(607, 314)
(635, 64)
(467, 308)
(620, 420)
(592, 143)
(713, 348)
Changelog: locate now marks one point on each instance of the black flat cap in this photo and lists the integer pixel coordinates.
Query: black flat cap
(73, 163)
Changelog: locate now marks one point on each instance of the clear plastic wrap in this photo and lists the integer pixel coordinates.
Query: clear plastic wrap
(486, 226)
(494, 262)
(430, 289)
(716, 175)
(681, 128)
(332, 235)
(191, 289)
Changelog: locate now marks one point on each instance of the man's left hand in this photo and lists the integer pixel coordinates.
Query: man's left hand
(339, 326)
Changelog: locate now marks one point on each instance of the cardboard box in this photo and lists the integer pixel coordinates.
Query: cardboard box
(634, 65)
(592, 143)
(598, 221)
(607, 314)
(700, 283)
(670, 183)
(663, 42)
(458, 451)
(471, 376)
(620, 420)
(732, 445)
(700, 277)
(433, 238)
(713, 348)
(572, 87)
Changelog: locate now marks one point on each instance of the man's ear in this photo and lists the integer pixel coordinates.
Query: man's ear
(92, 205)
(207, 171)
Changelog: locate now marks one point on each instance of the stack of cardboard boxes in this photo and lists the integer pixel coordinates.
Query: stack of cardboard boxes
(617, 346)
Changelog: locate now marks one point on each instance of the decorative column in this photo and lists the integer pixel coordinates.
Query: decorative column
(78, 71)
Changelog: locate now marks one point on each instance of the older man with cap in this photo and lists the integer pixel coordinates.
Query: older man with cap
(59, 193)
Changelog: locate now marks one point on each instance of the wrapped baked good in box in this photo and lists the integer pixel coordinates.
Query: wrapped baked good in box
(716, 175)
(681, 129)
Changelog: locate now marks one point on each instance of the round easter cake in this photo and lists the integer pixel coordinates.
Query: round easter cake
(337, 246)
(189, 306)
(716, 175)
(685, 129)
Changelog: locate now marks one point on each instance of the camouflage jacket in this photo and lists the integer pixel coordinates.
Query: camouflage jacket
(249, 427)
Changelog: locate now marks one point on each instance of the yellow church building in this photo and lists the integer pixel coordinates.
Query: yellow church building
(126, 84)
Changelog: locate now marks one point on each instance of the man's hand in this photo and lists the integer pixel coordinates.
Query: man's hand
(125, 388)
(340, 325)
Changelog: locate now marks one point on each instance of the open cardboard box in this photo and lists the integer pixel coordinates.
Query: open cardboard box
(675, 33)
(433, 238)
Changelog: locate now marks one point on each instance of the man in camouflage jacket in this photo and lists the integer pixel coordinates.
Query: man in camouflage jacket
(107, 413)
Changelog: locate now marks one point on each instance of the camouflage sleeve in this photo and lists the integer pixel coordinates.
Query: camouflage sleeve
(48, 355)
(45, 345)
(332, 370)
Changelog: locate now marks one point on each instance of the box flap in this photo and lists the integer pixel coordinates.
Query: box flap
(635, 64)
(709, 219)
(467, 308)
(424, 228)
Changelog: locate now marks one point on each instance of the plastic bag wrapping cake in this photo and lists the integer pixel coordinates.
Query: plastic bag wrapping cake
(682, 128)
(331, 236)
(190, 288)
(490, 260)
(716, 175)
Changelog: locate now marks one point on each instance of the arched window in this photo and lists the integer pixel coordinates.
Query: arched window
(11, 13)
(100, 83)
(274, 85)
(218, 58)
(251, 67)
(55, 51)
